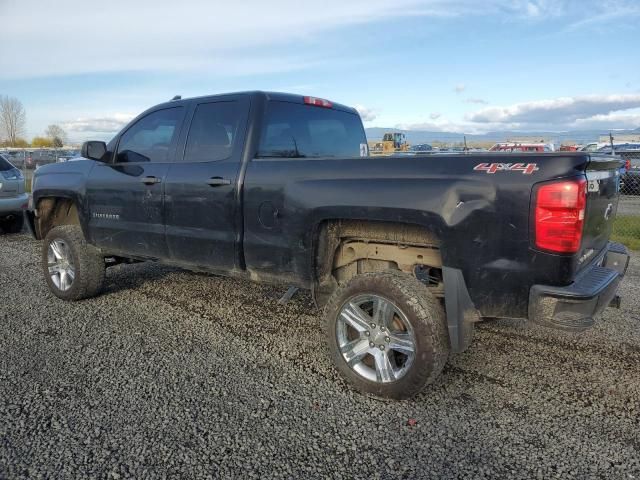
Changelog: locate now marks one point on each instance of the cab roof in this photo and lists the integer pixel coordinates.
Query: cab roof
(269, 96)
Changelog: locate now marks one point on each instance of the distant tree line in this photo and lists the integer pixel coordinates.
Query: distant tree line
(13, 121)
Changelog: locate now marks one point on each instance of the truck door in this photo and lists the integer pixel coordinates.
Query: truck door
(203, 219)
(126, 196)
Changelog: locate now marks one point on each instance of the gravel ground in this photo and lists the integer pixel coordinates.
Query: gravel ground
(176, 374)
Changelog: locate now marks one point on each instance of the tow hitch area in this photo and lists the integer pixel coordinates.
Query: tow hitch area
(615, 302)
(575, 306)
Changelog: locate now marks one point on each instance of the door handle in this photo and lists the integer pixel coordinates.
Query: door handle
(150, 180)
(218, 181)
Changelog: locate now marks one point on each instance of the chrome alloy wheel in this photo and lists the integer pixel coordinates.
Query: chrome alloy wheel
(60, 263)
(375, 338)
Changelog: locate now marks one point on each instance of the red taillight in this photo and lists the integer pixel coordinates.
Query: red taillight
(318, 102)
(559, 215)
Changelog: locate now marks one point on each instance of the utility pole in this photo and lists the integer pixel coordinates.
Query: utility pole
(611, 141)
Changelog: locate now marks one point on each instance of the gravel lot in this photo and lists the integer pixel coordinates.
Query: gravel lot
(171, 373)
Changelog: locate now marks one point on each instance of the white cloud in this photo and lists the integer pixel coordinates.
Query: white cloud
(597, 112)
(221, 38)
(542, 8)
(107, 124)
(613, 120)
(607, 11)
(475, 100)
(435, 115)
(558, 111)
(438, 125)
(533, 9)
(459, 88)
(366, 114)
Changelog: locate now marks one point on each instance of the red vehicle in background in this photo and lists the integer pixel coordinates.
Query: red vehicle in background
(569, 148)
(510, 147)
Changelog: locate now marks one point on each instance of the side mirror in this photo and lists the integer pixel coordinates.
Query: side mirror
(93, 150)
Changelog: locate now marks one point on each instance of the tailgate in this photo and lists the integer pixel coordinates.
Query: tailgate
(603, 185)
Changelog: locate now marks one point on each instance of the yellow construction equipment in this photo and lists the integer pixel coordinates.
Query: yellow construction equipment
(392, 142)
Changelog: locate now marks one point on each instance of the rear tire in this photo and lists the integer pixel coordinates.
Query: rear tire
(73, 269)
(13, 224)
(414, 338)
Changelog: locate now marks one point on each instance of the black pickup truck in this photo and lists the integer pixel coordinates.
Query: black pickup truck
(403, 253)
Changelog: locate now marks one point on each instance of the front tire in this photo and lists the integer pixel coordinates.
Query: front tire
(387, 334)
(73, 269)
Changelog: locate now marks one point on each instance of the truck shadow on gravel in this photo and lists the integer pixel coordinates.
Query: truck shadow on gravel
(131, 277)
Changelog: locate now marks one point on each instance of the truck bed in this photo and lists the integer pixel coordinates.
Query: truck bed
(481, 219)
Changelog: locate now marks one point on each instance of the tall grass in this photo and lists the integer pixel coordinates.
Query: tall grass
(626, 229)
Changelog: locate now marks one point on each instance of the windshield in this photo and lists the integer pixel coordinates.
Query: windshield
(5, 164)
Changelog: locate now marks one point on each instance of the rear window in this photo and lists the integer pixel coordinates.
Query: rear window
(295, 130)
(4, 164)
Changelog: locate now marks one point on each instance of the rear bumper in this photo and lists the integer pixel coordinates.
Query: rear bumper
(575, 306)
(13, 205)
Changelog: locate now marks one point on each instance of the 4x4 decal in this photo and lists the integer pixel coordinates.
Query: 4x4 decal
(526, 169)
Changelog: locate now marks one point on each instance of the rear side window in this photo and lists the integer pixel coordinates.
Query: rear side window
(151, 137)
(213, 132)
(4, 164)
(295, 130)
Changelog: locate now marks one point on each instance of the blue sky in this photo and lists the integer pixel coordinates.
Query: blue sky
(465, 66)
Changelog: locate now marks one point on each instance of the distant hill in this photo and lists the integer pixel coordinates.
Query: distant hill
(424, 136)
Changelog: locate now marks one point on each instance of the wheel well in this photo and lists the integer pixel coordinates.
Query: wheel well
(345, 248)
(53, 212)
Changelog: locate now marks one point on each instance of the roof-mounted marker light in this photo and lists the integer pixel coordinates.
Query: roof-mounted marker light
(318, 102)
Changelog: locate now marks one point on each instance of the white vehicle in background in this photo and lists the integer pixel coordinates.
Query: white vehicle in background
(606, 146)
(13, 199)
(594, 146)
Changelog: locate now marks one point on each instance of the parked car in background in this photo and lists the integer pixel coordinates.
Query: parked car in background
(13, 199)
(510, 147)
(66, 155)
(620, 147)
(16, 157)
(630, 170)
(569, 148)
(37, 158)
(421, 147)
(592, 147)
(630, 181)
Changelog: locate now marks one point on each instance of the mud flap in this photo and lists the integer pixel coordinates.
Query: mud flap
(30, 221)
(461, 312)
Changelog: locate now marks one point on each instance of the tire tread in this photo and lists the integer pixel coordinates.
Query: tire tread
(88, 262)
(423, 308)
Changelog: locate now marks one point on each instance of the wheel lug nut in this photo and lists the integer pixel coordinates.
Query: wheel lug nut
(367, 333)
(381, 347)
(387, 339)
(371, 344)
(373, 325)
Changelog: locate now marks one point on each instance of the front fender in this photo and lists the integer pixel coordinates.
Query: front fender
(61, 181)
